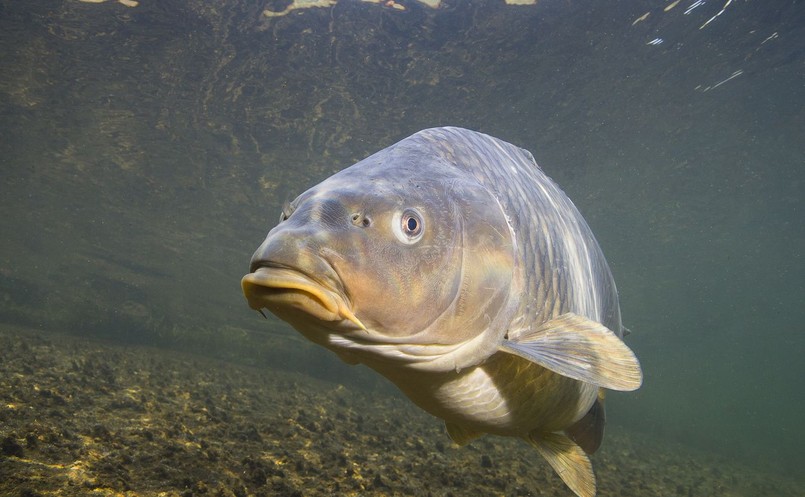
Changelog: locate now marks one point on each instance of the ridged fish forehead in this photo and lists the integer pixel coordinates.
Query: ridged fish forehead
(382, 184)
(356, 220)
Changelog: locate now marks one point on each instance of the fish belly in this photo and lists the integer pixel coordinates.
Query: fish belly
(506, 395)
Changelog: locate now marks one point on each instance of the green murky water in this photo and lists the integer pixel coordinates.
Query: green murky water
(147, 150)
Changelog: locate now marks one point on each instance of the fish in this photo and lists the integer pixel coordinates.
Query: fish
(453, 266)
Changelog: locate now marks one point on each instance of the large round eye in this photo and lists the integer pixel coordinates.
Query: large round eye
(408, 226)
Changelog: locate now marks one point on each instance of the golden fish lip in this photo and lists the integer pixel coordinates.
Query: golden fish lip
(284, 289)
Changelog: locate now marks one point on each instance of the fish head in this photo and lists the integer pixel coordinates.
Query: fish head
(395, 261)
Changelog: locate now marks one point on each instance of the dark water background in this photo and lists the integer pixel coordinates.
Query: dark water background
(146, 151)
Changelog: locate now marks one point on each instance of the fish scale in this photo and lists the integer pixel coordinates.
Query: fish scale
(472, 283)
(537, 213)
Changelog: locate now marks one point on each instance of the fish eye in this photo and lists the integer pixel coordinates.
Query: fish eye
(408, 226)
(411, 224)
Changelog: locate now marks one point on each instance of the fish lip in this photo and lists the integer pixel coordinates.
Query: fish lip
(275, 286)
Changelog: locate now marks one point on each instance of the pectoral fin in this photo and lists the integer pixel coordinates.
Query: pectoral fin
(578, 348)
(568, 460)
(460, 434)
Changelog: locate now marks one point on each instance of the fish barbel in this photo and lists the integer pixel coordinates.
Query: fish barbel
(452, 265)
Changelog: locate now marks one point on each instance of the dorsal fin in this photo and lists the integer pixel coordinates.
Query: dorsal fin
(588, 432)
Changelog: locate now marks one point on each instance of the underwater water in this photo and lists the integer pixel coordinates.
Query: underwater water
(147, 149)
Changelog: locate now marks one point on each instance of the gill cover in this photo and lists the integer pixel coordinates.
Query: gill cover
(420, 253)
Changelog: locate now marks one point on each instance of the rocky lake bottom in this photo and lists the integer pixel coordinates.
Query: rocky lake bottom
(80, 417)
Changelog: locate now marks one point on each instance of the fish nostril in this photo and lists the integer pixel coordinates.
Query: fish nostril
(360, 219)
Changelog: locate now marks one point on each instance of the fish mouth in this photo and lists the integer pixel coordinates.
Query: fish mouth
(285, 290)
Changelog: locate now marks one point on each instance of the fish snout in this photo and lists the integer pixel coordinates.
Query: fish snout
(288, 277)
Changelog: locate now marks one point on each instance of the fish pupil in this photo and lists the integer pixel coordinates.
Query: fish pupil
(411, 224)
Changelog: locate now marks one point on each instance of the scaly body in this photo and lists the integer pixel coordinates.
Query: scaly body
(453, 266)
